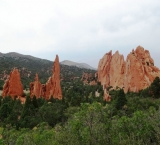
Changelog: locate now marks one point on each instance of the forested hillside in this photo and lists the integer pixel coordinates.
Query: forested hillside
(28, 66)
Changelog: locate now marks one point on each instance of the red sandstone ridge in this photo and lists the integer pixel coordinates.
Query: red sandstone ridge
(13, 86)
(51, 88)
(134, 74)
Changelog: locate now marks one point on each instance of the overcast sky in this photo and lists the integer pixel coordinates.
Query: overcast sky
(79, 30)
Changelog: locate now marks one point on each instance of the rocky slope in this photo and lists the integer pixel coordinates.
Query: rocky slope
(134, 74)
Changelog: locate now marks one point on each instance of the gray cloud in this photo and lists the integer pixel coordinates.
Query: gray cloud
(81, 31)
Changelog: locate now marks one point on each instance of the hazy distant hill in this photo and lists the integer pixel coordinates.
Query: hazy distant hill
(29, 66)
(80, 65)
(17, 55)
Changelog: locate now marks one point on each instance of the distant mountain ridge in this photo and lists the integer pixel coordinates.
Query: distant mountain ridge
(80, 65)
(18, 55)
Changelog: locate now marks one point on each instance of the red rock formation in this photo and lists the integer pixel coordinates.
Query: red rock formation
(107, 97)
(103, 69)
(22, 99)
(93, 83)
(111, 70)
(88, 78)
(36, 88)
(135, 74)
(13, 86)
(51, 88)
(116, 71)
(139, 70)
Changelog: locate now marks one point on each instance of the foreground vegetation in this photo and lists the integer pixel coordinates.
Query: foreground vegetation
(81, 118)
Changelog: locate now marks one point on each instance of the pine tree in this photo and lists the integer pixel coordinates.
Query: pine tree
(121, 99)
(5, 111)
(26, 108)
(34, 101)
(154, 89)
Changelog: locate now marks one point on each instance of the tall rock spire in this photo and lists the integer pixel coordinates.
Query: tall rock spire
(51, 88)
(13, 86)
(36, 88)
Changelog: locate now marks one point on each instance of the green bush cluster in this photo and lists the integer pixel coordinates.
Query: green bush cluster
(82, 118)
(91, 124)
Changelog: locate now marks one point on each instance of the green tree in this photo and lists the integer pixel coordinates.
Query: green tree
(154, 88)
(88, 126)
(52, 113)
(29, 115)
(121, 99)
(15, 113)
(5, 111)
(34, 101)
(134, 130)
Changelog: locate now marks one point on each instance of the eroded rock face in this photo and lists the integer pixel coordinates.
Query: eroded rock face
(13, 86)
(134, 74)
(111, 70)
(51, 88)
(103, 69)
(139, 70)
(116, 71)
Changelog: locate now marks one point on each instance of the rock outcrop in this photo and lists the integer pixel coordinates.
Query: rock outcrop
(139, 70)
(134, 74)
(13, 86)
(103, 69)
(107, 97)
(36, 88)
(51, 88)
(89, 78)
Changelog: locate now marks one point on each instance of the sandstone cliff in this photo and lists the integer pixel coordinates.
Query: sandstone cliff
(134, 74)
(13, 86)
(51, 88)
